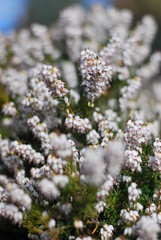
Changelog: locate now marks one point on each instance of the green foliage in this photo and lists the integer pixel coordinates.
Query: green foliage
(82, 197)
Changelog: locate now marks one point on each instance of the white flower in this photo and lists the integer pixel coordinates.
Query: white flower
(96, 74)
(93, 167)
(48, 189)
(92, 137)
(133, 192)
(147, 228)
(133, 160)
(106, 232)
(78, 224)
(51, 224)
(114, 157)
(60, 180)
(128, 231)
(50, 75)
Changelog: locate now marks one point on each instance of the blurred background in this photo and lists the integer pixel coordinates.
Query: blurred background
(20, 13)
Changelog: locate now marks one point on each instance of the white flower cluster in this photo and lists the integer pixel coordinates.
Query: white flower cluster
(77, 123)
(48, 189)
(150, 69)
(15, 82)
(69, 74)
(93, 137)
(147, 228)
(129, 216)
(78, 224)
(39, 90)
(39, 100)
(11, 212)
(50, 75)
(72, 159)
(97, 116)
(74, 150)
(30, 101)
(53, 165)
(112, 51)
(93, 167)
(133, 160)
(155, 161)
(60, 180)
(106, 232)
(40, 131)
(114, 157)
(52, 223)
(129, 93)
(100, 206)
(56, 164)
(103, 128)
(133, 192)
(4, 147)
(96, 74)
(151, 209)
(136, 133)
(61, 145)
(17, 196)
(9, 109)
(106, 187)
(26, 152)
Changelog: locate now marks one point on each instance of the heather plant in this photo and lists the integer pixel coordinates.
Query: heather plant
(80, 148)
